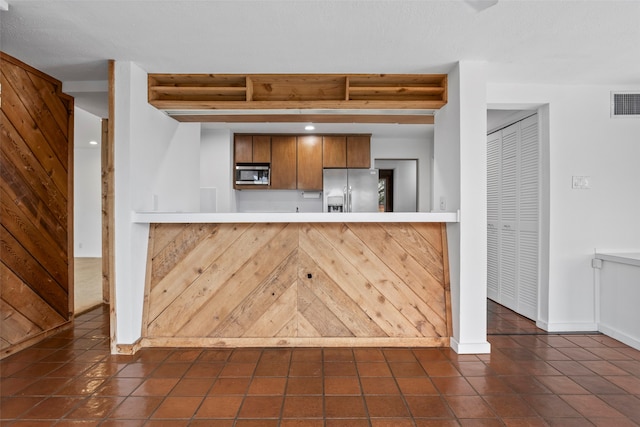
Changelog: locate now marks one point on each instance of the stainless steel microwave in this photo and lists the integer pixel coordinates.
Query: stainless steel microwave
(253, 174)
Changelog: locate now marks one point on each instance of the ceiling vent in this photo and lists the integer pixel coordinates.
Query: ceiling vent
(625, 104)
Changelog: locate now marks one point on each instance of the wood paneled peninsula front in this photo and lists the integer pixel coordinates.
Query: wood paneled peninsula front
(307, 279)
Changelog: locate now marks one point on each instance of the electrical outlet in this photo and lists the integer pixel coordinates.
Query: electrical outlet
(443, 204)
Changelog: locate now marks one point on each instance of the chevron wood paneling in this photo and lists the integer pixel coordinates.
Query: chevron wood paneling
(36, 164)
(297, 284)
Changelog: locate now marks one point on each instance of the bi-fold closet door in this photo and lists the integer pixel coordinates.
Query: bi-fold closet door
(513, 200)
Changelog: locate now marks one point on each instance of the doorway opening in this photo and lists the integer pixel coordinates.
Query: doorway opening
(397, 185)
(513, 211)
(385, 190)
(88, 276)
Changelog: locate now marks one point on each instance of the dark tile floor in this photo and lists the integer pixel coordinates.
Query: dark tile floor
(531, 379)
(502, 321)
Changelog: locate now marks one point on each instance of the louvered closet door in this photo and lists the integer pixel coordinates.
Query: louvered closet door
(508, 217)
(493, 215)
(512, 216)
(528, 218)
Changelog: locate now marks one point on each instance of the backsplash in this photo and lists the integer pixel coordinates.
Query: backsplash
(277, 201)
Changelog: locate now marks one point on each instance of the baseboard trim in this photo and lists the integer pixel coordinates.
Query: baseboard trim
(470, 348)
(129, 349)
(567, 327)
(35, 339)
(620, 336)
(203, 342)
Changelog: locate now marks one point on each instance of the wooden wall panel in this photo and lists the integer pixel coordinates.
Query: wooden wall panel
(36, 173)
(330, 293)
(24, 300)
(297, 284)
(28, 184)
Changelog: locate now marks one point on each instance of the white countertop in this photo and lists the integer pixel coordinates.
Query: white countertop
(202, 217)
(631, 258)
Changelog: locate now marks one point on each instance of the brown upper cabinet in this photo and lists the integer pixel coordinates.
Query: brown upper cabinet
(359, 151)
(334, 151)
(283, 162)
(309, 162)
(353, 151)
(297, 160)
(252, 149)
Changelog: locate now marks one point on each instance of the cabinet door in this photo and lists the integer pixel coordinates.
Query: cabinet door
(334, 152)
(243, 148)
(261, 149)
(309, 162)
(283, 162)
(359, 151)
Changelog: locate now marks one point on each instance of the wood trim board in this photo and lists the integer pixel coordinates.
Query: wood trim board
(108, 244)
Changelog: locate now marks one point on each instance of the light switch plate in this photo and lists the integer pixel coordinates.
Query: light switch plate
(580, 182)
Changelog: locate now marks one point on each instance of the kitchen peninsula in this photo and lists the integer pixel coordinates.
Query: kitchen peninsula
(297, 279)
(248, 269)
(279, 268)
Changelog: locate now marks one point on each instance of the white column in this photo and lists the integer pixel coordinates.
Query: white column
(460, 182)
(472, 333)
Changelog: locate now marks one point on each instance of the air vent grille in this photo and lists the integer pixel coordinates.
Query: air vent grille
(625, 104)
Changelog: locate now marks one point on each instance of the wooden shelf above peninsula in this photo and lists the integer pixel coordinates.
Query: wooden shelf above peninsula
(369, 98)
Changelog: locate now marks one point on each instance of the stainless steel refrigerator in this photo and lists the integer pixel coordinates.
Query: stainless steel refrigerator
(350, 190)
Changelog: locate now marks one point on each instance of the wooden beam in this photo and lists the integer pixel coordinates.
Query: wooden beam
(313, 118)
(352, 104)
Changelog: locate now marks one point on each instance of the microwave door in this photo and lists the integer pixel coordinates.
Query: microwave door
(246, 175)
(254, 174)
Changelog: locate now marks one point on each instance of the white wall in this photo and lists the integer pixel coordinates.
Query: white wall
(150, 149)
(177, 180)
(216, 157)
(419, 149)
(581, 139)
(87, 203)
(87, 188)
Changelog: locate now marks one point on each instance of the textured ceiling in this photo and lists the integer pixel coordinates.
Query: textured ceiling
(522, 41)
(535, 41)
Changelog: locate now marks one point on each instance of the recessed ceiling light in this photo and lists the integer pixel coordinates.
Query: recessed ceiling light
(93, 142)
(309, 127)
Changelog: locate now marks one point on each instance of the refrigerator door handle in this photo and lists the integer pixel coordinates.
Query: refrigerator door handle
(350, 199)
(345, 199)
